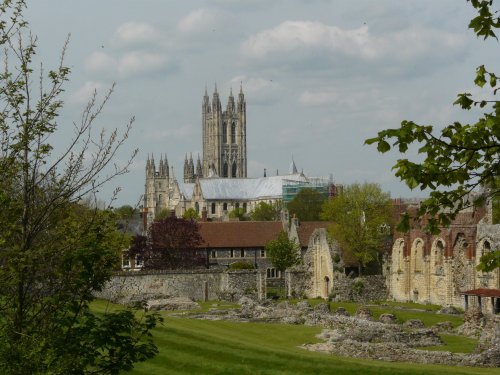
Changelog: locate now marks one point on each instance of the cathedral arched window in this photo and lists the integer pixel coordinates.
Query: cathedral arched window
(213, 208)
(224, 133)
(197, 207)
(233, 170)
(225, 170)
(233, 133)
(224, 206)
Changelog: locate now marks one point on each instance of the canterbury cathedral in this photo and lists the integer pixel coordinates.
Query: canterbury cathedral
(218, 183)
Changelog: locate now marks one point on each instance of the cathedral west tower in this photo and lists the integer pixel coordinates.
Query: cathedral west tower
(224, 137)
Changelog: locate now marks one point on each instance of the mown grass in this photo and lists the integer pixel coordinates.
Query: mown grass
(455, 344)
(190, 346)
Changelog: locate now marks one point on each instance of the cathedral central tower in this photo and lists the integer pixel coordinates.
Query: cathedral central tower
(224, 136)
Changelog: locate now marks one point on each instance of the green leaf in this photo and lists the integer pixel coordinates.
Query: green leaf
(383, 146)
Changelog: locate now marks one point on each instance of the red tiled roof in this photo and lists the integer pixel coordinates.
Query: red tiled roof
(238, 234)
(483, 292)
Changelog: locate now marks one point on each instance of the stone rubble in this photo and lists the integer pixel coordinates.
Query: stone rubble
(360, 336)
(175, 303)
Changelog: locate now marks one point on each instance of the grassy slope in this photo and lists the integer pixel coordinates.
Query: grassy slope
(189, 346)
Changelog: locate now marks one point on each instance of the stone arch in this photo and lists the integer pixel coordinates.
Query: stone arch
(417, 255)
(437, 257)
(398, 255)
(460, 268)
(482, 248)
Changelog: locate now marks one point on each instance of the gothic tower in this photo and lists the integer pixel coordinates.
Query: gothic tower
(224, 136)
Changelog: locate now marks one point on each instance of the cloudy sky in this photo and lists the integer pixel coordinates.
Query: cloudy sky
(319, 76)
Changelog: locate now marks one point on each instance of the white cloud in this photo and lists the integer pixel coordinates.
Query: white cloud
(84, 93)
(139, 63)
(99, 62)
(198, 21)
(294, 35)
(133, 34)
(311, 45)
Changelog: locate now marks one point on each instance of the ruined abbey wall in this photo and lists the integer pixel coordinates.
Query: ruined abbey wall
(199, 285)
(435, 268)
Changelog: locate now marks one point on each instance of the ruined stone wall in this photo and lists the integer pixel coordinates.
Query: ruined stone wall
(125, 287)
(360, 289)
(435, 269)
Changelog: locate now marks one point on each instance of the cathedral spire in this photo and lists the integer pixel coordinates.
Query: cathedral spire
(206, 102)
(293, 167)
(241, 100)
(186, 168)
(148, 166)
(199, 171)
(152, 165)
(215, 100)
(230, 102)
(165, 167)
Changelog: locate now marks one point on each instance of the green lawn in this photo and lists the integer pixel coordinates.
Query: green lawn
(191, 346)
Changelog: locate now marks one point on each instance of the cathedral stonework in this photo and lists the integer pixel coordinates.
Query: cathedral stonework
(224, 137)
(217, 183)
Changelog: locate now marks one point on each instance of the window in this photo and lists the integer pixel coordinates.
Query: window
(242, 253)
(233, 133)
(139, 261)
(244, 207)
(213, 254)
(232, 253)
(273, 273)
(224, 206)
(224, 133)
(197, 207)
(125, 260)
(213, 208)
(233, 170)
(225, 171)
(262, 253)
(237, 205)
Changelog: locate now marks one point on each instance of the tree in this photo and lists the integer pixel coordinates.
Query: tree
(362, 218)
(54, 250)
(283, 252)
(125, 212)
(171, 243)
(266, 212)
(306, 205)
(238, 213)
(191, 214)
(459, 159)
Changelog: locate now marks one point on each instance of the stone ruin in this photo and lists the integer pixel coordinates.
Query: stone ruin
(360, 336)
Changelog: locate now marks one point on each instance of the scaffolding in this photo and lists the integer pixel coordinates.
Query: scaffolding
(324, 186)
